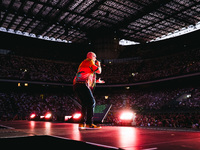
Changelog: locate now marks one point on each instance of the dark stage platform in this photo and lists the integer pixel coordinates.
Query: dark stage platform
(109, 137)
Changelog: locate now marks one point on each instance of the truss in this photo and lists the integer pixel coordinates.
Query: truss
(74, 20)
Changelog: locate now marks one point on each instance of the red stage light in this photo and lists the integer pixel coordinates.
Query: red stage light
(126, 116)
(67, 118)
(77, 116)
(47, 116)
(33, 115)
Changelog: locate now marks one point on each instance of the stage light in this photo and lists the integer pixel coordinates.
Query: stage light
(33, 115)
(67, 118)
(47, 116)
(77, 116)
(126, 116)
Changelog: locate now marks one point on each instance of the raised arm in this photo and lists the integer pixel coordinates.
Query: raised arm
(99, 67)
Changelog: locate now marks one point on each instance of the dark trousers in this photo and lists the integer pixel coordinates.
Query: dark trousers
(87, 100)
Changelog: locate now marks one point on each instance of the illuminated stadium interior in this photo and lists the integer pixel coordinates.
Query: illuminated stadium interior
(149, 50)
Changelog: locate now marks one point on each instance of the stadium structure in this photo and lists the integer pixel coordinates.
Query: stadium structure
(149, 51)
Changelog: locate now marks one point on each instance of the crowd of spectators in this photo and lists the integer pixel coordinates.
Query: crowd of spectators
(146, 103)
(21, 105)
(32, 69)
(176, 120)
(163, 108)
(25, 68)
(151, 69)
(153, 99)
(152, 107)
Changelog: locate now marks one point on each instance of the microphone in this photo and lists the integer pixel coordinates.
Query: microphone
(101, 63)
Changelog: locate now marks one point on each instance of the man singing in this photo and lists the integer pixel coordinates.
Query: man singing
(83, 84)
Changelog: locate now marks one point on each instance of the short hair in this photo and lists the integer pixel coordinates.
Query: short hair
(90, 55)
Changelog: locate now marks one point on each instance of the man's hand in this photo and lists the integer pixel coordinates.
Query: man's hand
(98, 63)
(100, 81)
(99, 66)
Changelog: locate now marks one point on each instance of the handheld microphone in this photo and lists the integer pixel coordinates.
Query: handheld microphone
(101, 63)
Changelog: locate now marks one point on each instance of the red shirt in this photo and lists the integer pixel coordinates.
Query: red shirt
(86, 73)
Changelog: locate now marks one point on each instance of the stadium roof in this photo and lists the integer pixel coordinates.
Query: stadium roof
(75, 20)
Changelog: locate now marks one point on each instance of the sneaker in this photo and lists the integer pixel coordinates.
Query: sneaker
(81, 126)
(92, 126)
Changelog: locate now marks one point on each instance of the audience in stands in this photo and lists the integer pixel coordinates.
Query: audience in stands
(24, 68)
(153, 108)
(176, 120)
(21, 105)
(147, 104)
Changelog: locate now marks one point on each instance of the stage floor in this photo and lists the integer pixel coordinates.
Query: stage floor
(128, 138)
